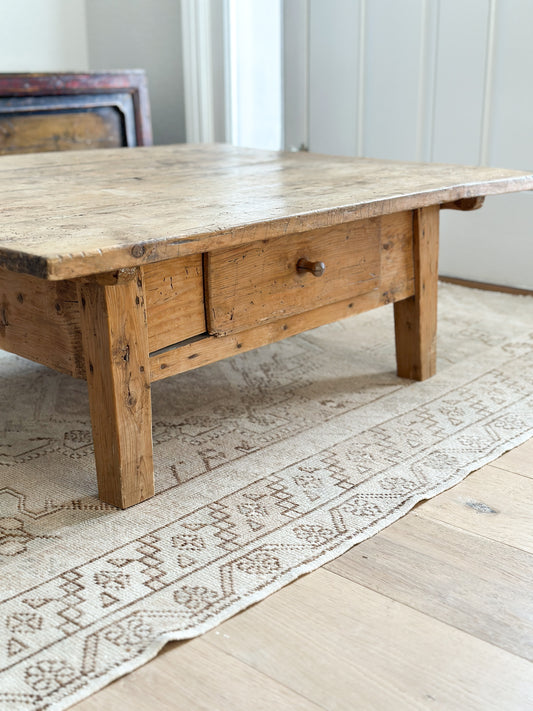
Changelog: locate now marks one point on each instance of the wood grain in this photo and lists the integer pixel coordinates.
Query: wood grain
(22, 88)
(39, 320)
(396, 282)
(519, 460)
(115, 338)
(440, 569)
(208, 349)
(464, 204)
(174, 300)
(259, 283)
(486, 287)
(207, 680)
(415, 318)
(328, 638)
(477, 507)
(67, 131)
(72, 214)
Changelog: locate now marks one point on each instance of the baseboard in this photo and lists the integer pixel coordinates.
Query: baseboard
(487, 287)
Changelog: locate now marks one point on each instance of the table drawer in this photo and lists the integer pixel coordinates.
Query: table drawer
(174, 300)
(260, 282)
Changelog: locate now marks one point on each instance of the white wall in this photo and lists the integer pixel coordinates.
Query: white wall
(43, 36)
(427, 80)
(143, 34)
(255, 73)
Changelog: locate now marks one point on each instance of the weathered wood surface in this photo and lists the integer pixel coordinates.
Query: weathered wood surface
(209, 349)
(260, 282)
(484, 286)
(415, 318)
(464, 204)
(174, 300)
(71, 214)
(62, 83)
(23, 87)
(37, 132)
(115, 339)
(396, 282)
(39, 320)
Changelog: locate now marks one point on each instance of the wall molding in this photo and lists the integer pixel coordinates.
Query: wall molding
(361, 72)
(469, 283)
(484, 147)
(295, 69)
(198, 63)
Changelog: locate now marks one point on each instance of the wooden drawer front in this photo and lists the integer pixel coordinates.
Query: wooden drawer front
(36, 124)
(258, 283)
(174, 301)
(69, 130)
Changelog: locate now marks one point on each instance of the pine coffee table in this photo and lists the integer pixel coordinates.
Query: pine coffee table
(123, 267)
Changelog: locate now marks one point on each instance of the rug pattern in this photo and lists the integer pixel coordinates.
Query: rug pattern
(268, 465)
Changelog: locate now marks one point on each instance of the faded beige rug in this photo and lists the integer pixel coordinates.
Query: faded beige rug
(268, 465)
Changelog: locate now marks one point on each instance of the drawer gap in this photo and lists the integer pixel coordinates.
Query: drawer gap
(179, 344)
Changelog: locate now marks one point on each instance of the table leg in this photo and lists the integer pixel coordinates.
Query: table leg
(415, 318)
(115, 342)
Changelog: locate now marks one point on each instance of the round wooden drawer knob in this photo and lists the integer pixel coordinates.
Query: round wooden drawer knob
(316, 268)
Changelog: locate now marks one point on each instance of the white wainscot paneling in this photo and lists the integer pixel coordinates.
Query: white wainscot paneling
(296, 74)
(336, 45)
(399, 72)
(460, 81)
(441, 80)
(255, 73)
(493, 245)
(511, 126)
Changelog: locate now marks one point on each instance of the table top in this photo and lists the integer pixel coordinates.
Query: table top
(71, 214)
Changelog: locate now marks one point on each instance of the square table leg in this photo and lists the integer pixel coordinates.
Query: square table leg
(415, 318)
(115, 343)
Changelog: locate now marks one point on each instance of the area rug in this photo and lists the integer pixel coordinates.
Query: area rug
(268, 465)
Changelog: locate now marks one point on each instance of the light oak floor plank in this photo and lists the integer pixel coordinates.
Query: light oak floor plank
(446, 626)
(347, 647)
(196, 676)
(477, 506)
(519, 460)
(440, 570)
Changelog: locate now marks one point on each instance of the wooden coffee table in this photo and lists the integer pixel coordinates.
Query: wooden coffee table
(127, 266)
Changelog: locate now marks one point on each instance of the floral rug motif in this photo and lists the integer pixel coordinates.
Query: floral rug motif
(268, 465)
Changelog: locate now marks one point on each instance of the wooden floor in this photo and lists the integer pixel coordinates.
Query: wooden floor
(435, 612)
